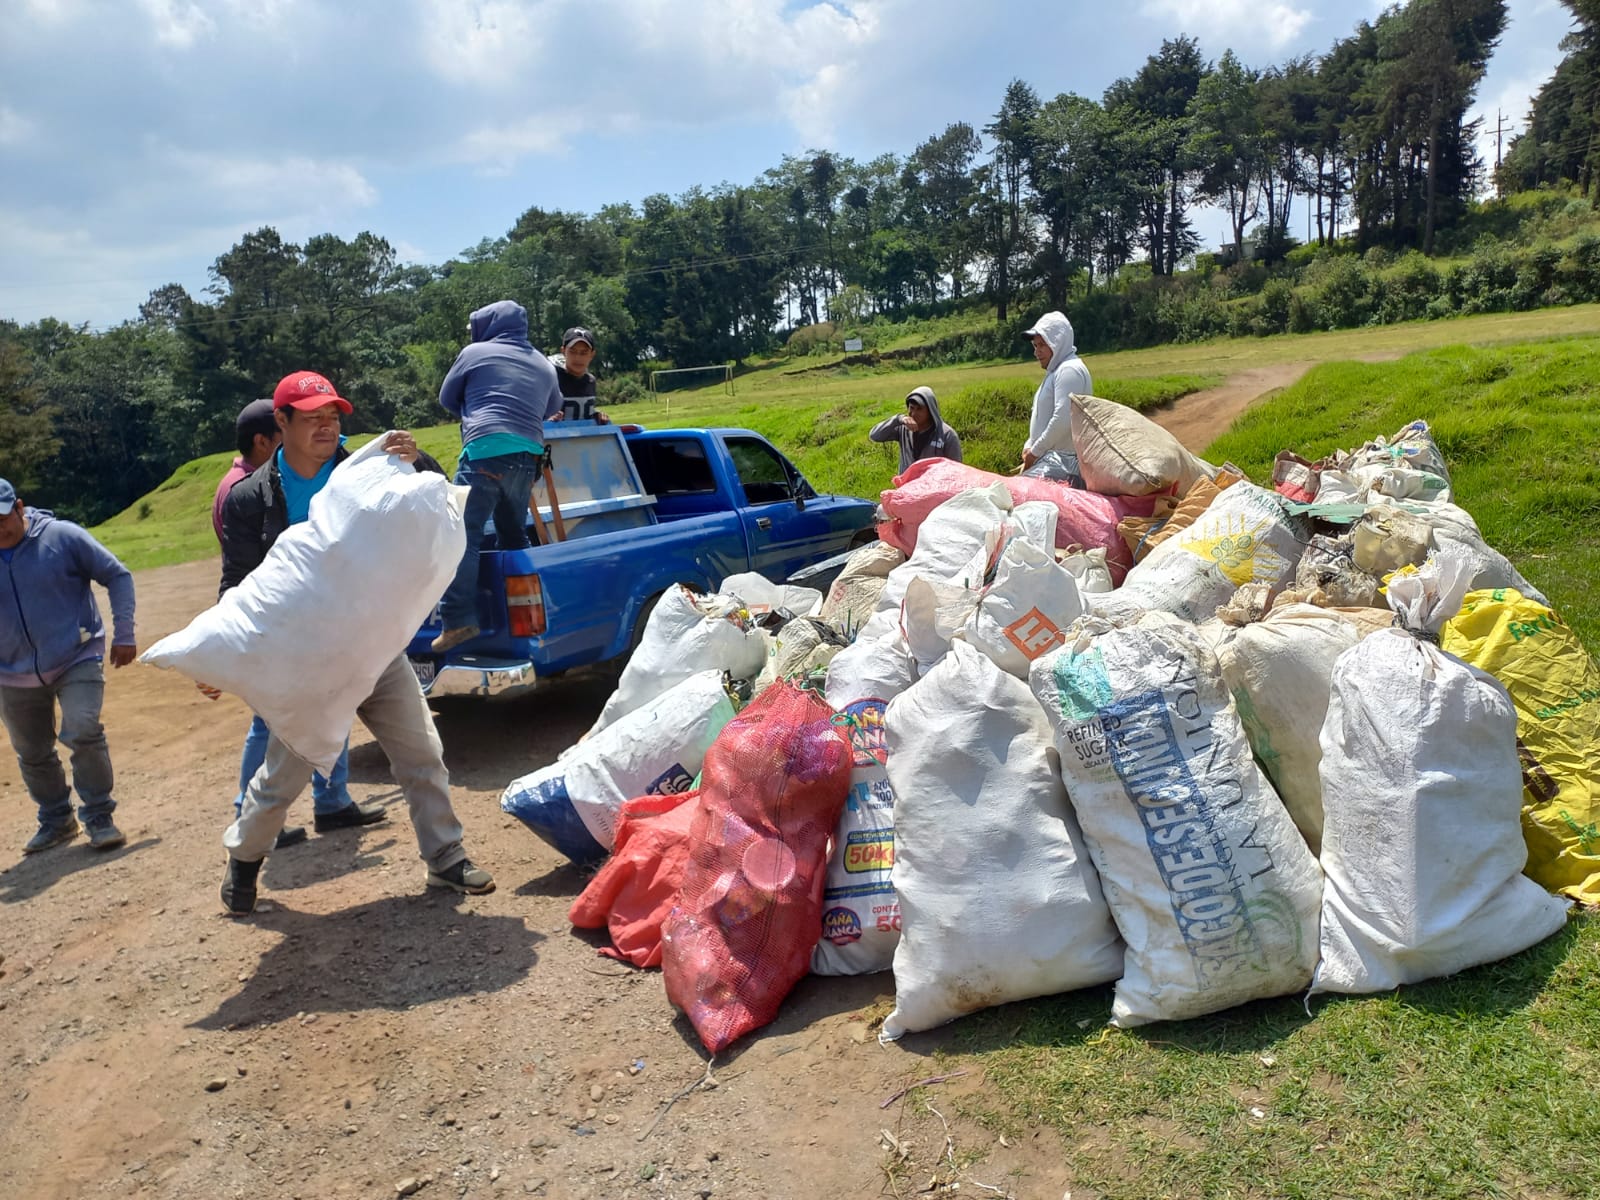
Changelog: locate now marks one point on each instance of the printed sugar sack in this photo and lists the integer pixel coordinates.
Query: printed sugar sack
(1555, 686)
(998, 900)
(1422, 799)
(303, 639)
(1208, 880)
(655, 750)
(686, 633)
(860, 913)
(1280, 671)
(1245, 536)
(1023, 614)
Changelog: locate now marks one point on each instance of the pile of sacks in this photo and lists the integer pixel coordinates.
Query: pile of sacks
(1318, 735)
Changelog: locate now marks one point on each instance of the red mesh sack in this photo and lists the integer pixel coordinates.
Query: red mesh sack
(750, 910)
(633, 893)
(1087, 519)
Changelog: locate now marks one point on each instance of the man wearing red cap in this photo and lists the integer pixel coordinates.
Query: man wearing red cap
(257, 511)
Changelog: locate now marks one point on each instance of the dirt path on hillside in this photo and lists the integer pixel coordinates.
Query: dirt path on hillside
(362, 1032)
(1199, 418)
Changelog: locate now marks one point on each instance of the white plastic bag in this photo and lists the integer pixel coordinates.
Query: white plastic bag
(1024, 613)
(1090, 569)
(1279, 671)
(761, 596)
(656, 749)
(997, 898)
(860, 912)
(1208, 880)
(1422, 795)
(686, 633)
(304, 637)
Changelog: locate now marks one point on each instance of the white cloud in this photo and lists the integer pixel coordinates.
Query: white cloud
(1246, 25)
(296, 187)
(14, 127)
(178, 23)
(481, 44)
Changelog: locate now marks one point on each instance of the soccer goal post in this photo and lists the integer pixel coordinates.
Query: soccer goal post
(684, 377)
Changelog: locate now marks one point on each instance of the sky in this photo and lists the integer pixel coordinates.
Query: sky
(139, 139)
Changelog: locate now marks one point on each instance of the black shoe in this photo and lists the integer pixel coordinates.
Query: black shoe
(103, 835)
(239, 887)
(290, 835)
(351, 816)
(463, 877)
(52, 835)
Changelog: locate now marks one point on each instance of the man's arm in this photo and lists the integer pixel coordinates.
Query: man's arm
(1057, 434)
(95, 562)
(242, 520)
(887, 430)
(952, 445)
(453, 392)
(553, 402)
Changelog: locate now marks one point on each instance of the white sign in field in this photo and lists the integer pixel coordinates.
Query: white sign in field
(852, 345)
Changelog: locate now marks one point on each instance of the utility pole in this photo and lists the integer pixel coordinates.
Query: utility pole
(1500, 128)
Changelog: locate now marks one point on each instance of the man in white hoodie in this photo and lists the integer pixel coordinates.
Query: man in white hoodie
(1050, 427)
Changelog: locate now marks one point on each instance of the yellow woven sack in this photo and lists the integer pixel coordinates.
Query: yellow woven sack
(1555, 686)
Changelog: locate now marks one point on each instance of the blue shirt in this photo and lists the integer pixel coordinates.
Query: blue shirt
(5, 555)
(298, 490)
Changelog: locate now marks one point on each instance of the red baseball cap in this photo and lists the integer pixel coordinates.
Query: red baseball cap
(306, 390)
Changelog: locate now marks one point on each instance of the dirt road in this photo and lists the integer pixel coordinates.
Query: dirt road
(359, 1033)
(1200, 418)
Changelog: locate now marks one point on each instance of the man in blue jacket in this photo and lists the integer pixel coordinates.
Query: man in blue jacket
(503, 391)
(51, 647)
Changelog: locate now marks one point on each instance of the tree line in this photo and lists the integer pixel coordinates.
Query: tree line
(1049, 203)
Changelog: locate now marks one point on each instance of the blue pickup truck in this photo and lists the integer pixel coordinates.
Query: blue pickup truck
(643, 510)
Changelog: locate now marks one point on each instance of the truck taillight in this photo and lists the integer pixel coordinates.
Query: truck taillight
(525, 605)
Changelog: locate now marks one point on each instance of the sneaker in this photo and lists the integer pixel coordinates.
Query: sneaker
(351, 816)
(463, 877)
(103, 835)
(52, 835)
(451, 638)
(239, 887)
(290, 835)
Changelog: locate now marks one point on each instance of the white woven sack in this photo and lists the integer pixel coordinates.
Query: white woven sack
(686, 633)
(304, 637)
(855, 592)
(930, 617)
(1090, 569)
(1422, 791)
(948, 540)
(1245, 536)
(1208, 880)
(760, 596)
(860, 912)
(657, 749)
(1457, 536)
(997, 897)
(1025, 612)
(1122, 453)
(1280, 671)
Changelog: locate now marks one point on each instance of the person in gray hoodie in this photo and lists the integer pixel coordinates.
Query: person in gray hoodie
(920, 430)
(503, 391)
(1050, 426)
(52, 644)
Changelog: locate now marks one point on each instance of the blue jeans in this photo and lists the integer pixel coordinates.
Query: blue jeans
(327, 795)
(29, 715)
(501, 487)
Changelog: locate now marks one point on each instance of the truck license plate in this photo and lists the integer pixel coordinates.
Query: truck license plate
(425, 668)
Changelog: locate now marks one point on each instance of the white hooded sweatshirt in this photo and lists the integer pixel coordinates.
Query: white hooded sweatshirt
(1050, 427)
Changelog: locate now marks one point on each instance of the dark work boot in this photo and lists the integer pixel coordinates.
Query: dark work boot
(239, 887)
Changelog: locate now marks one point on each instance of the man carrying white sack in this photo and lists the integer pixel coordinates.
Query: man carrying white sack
(1050, 425)
(308, 410)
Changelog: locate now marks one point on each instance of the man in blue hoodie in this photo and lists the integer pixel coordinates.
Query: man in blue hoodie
(503, 391)
(51, 647)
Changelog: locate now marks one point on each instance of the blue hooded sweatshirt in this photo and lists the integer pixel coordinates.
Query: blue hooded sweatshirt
(500, 384)
(48, 618)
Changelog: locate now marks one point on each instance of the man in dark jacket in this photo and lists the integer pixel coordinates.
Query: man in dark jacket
(51, 647)
(920, 430)
(503, 391)
(257, 511)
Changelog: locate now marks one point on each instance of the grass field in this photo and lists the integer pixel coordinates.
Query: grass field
(1481, 1085)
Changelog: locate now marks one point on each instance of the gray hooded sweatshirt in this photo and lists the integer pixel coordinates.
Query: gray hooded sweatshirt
(936, 441)
(1050, 427)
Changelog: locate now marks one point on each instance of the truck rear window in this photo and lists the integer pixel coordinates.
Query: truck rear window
(673, 467)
